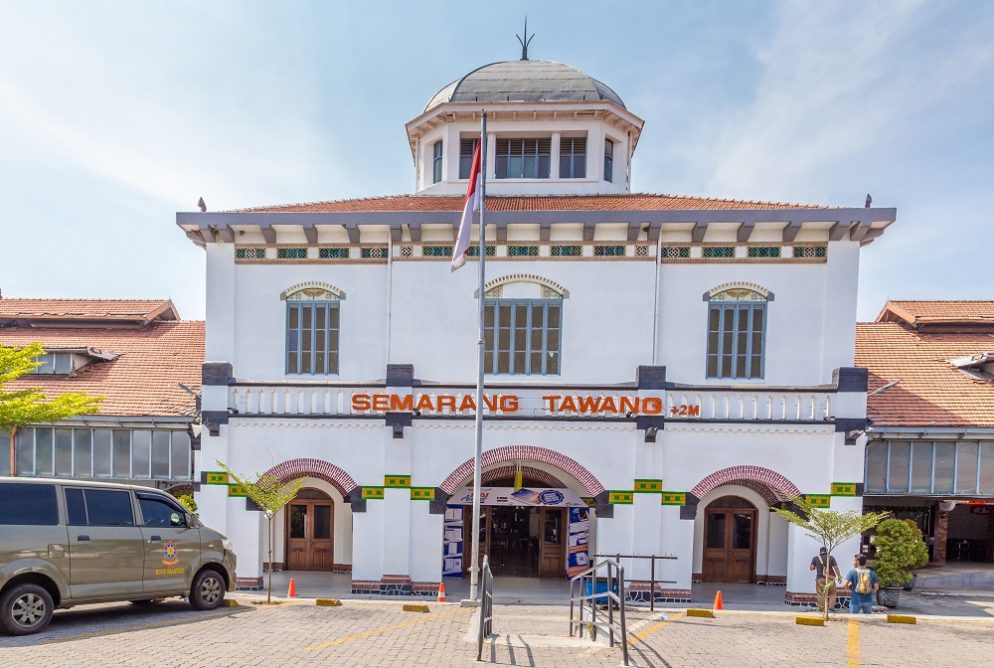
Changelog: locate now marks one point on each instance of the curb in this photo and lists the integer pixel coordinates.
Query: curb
(902, 619)
(700, 612)
(809, 621)
(414, 607)
(328, 602)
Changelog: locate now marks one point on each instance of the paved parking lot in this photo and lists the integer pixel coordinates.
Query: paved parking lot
(373, 633)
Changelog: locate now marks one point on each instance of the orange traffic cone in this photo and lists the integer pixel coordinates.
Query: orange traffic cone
(718, 603)
(292, 592)
(441, 592)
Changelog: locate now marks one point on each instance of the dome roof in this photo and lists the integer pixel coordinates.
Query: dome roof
(525, 81)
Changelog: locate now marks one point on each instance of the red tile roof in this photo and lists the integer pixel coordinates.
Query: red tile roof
(931, 392)
(631, 202)
(88, 309)
(917, 312)
(142, 381)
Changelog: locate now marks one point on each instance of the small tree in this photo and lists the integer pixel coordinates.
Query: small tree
(188, 502)
(271, 494)
(831, 528)
(900, 548)
(20, 408)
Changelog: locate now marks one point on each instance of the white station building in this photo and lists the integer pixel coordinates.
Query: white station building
(660, 369)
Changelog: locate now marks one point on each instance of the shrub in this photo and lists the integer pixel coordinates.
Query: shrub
(900, 548)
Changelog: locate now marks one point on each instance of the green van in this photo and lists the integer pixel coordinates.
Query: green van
(68, 542)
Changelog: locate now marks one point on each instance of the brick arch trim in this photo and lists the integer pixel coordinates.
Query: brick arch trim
(508, 470)
(314, 468)
(768, 495)
(523, 453)
(777, 485)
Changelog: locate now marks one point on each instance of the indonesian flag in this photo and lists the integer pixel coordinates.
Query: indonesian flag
(472, 204)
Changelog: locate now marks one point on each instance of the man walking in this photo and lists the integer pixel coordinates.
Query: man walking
(862, 584)
(825, 568)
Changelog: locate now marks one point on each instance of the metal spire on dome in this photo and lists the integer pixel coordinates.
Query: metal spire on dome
(526, 41)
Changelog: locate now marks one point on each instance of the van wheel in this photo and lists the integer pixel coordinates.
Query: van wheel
(25, 609)
(207, 591)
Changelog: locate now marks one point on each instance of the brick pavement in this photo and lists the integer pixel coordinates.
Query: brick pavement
(364, 633)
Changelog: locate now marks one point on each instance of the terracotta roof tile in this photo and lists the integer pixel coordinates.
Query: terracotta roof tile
(87, 309)
(630, 202)
(938, 311)
(931, 392)
(142, 381)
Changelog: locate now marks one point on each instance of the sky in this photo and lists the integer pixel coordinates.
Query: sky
(116, 115)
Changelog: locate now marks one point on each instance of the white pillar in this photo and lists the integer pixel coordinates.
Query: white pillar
(677, 539)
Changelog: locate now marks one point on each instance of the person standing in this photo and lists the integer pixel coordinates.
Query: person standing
(862, 585)
(825, 568)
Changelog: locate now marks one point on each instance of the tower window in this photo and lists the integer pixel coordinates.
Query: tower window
(436, 162)
(523, 158)
(608, 160)
(466, 149)
(573, 158)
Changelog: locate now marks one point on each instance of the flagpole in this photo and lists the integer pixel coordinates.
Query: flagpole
(474, 569)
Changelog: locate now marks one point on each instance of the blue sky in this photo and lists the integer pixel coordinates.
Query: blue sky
(115, 115)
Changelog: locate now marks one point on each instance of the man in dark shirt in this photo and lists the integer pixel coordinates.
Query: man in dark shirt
(826, 570)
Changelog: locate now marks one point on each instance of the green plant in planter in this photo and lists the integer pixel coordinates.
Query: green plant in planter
(900, 548)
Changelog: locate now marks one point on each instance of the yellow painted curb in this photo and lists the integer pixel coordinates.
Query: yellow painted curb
(700, 612)
(328, 602)
(809, 621)
(411, 607)
(902, 619)
(229, 603)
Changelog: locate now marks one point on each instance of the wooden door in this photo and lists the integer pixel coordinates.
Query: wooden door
(552, 543)
(729, 544)
(310, 535)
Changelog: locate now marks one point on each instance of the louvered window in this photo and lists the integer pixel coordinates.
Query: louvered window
(436, 162)
(736, 334)
(466, 148)
(522, 336)
(523, 158)
(608, 160)
(573, 157)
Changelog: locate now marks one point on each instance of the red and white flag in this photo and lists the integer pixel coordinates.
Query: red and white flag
(473, 201)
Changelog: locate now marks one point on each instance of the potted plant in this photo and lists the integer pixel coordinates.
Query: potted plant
(900, 548)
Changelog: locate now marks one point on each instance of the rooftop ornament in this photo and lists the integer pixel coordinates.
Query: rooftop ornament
(526, 41)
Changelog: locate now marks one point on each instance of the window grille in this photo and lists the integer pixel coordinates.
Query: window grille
(522, 336)
(573, 157)
(641, 250)
(436, 162)
(764, 251)
(250, 253)
(436, 251)
(333, 253)
(312, 333)
(567, 251)
(466, 149)
(718, 251)
(675, 252)
(406, 251)
(736, 334)
(608, 160)
(522, 251)
(523, 158)
(291, 253)
(474, 251)
(151, 454)
(810, 251)
(375, 253)
(609, 251)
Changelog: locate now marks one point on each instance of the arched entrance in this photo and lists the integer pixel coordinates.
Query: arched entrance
(541, 529)
(730, 529)
(310, 534)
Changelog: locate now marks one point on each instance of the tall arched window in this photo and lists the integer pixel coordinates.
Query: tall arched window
(523, 326)
(736, 333)
(313, 323)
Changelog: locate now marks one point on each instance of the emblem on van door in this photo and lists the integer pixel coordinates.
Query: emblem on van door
(169, 558)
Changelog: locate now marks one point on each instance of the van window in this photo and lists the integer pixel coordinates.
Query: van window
(158, 512)
(75, 507)
(109, 508)
(28, 504)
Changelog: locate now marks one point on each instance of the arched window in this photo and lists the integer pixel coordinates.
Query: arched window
(523, 326)
(313, 323)
(736, 332)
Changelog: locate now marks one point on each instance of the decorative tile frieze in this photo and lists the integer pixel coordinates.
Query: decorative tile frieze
(647, 485)
(341, 253)
(372, 493)
(237, 490)
(563, 250)
(819, 500)
(394, 480)
(673, 499)
(291, 253)
(845, 489)
(621, 497)
(422, 494)
(764, 252)
(612, 250)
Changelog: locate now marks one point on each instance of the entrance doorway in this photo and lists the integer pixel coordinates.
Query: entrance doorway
(310, 532)
(521, 541)
(729, 541)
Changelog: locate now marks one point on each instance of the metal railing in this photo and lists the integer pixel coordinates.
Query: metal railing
(586, 594)
(652, 571)
(486, 607)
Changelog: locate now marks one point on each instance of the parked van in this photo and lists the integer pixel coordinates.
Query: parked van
(67, 542)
